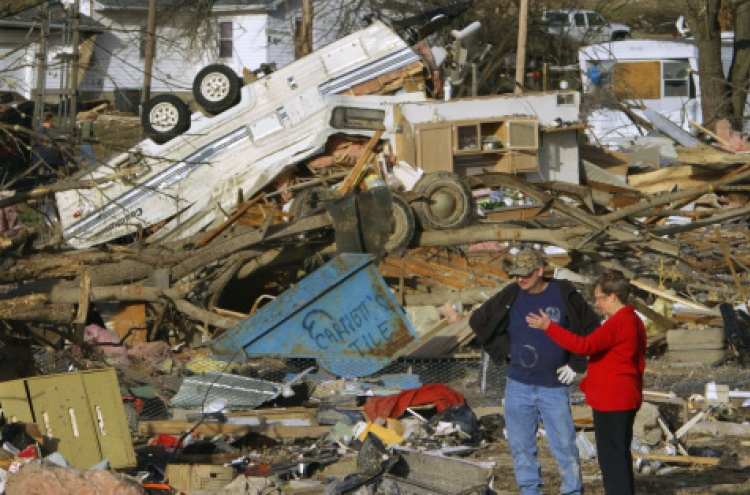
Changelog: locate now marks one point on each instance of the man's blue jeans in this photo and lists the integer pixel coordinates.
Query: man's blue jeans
(525, 406)
(87, 151)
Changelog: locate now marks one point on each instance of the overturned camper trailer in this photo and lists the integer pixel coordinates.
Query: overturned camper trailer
(187, 176)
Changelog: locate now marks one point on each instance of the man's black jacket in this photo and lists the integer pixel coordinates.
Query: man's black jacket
(490, 321)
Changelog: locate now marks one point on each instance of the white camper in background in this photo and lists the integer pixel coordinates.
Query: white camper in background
(660, 74)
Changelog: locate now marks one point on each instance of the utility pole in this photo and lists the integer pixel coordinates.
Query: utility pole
(41, 68)
(303, 42)
(75, 41)
(523, 15)
(149, 55)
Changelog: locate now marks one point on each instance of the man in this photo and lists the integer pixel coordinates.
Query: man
(45, 156)
(87, 135)
(540, 370)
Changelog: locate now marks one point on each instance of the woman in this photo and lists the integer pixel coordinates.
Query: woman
(614, 383)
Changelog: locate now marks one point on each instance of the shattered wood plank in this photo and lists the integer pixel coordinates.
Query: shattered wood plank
(666, 295)
(712, 220)
(348, 184)
(229, 221)
(208, 317)
(134, 292)
(151, 428)
(470, 276)
(565, 238)
(211, 253)
(663, 175)
(83, 307)
(682, 459)
(442, 339)
(43, 313)
(83, 302)
(429, 273)
(658, 318)
(467, 262)
(664, 199)
(708, 157)
(730, 263)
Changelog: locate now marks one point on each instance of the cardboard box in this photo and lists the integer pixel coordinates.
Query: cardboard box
(192, 477)
(80, 415)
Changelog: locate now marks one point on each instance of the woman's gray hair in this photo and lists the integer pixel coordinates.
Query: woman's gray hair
(614, 282)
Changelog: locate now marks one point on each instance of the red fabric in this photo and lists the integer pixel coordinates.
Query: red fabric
(163, 440)
(614, 381)
(393, 406)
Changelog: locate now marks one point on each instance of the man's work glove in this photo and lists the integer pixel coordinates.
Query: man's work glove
(566, 375)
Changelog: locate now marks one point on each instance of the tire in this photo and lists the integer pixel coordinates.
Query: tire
(402, 226)
(216, 88)
(164, 117)
(312, 199)
(447, 202)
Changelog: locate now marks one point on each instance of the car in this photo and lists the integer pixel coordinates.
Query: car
(583, 26)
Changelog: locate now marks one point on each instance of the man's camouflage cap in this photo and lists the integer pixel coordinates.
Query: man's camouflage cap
(525, 262)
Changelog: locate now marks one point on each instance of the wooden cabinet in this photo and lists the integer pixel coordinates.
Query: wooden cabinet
(469, 147)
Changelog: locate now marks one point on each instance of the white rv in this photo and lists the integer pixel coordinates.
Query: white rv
(660, 74)
(187, 176)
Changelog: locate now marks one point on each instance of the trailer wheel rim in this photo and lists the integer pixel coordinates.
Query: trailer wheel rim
(164, 117)
(444, 204)
(215, 86)
(446, 201)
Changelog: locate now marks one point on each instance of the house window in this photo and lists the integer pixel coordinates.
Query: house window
(144, 42)
(225, 39)
(675, 77)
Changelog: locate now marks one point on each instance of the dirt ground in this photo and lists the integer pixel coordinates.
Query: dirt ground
(684, 379)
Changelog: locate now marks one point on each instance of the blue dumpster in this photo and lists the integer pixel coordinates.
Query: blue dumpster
(343, 315)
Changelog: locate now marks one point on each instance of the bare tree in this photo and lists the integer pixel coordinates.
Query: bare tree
(739, 73)
(703, 18)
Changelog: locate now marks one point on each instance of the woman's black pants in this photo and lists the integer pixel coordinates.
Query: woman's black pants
(614, 435)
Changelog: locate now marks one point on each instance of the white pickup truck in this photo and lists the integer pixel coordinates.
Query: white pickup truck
(583, 26)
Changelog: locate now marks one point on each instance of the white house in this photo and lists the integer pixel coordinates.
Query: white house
(661, 74)
(242, 34)
(19, 44)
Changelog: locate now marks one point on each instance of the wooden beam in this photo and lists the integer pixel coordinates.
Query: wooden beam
(354, 176)
(666, 295)
(229, 221)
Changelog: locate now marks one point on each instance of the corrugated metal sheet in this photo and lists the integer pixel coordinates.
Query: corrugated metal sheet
(238, 392)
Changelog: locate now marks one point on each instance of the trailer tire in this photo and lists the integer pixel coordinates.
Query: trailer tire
(447, 202)
(402, 226)
(216, 88)
(312, 199)
(164, 117)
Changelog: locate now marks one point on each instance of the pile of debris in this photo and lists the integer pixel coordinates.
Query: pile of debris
(351, 224)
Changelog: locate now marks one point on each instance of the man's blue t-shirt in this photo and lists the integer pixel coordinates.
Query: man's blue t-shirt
(534, 357)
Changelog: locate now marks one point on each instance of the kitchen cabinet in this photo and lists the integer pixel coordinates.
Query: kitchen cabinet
(470, 147)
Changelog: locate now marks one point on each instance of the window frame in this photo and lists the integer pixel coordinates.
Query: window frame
(665, 81)
(223, 42)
